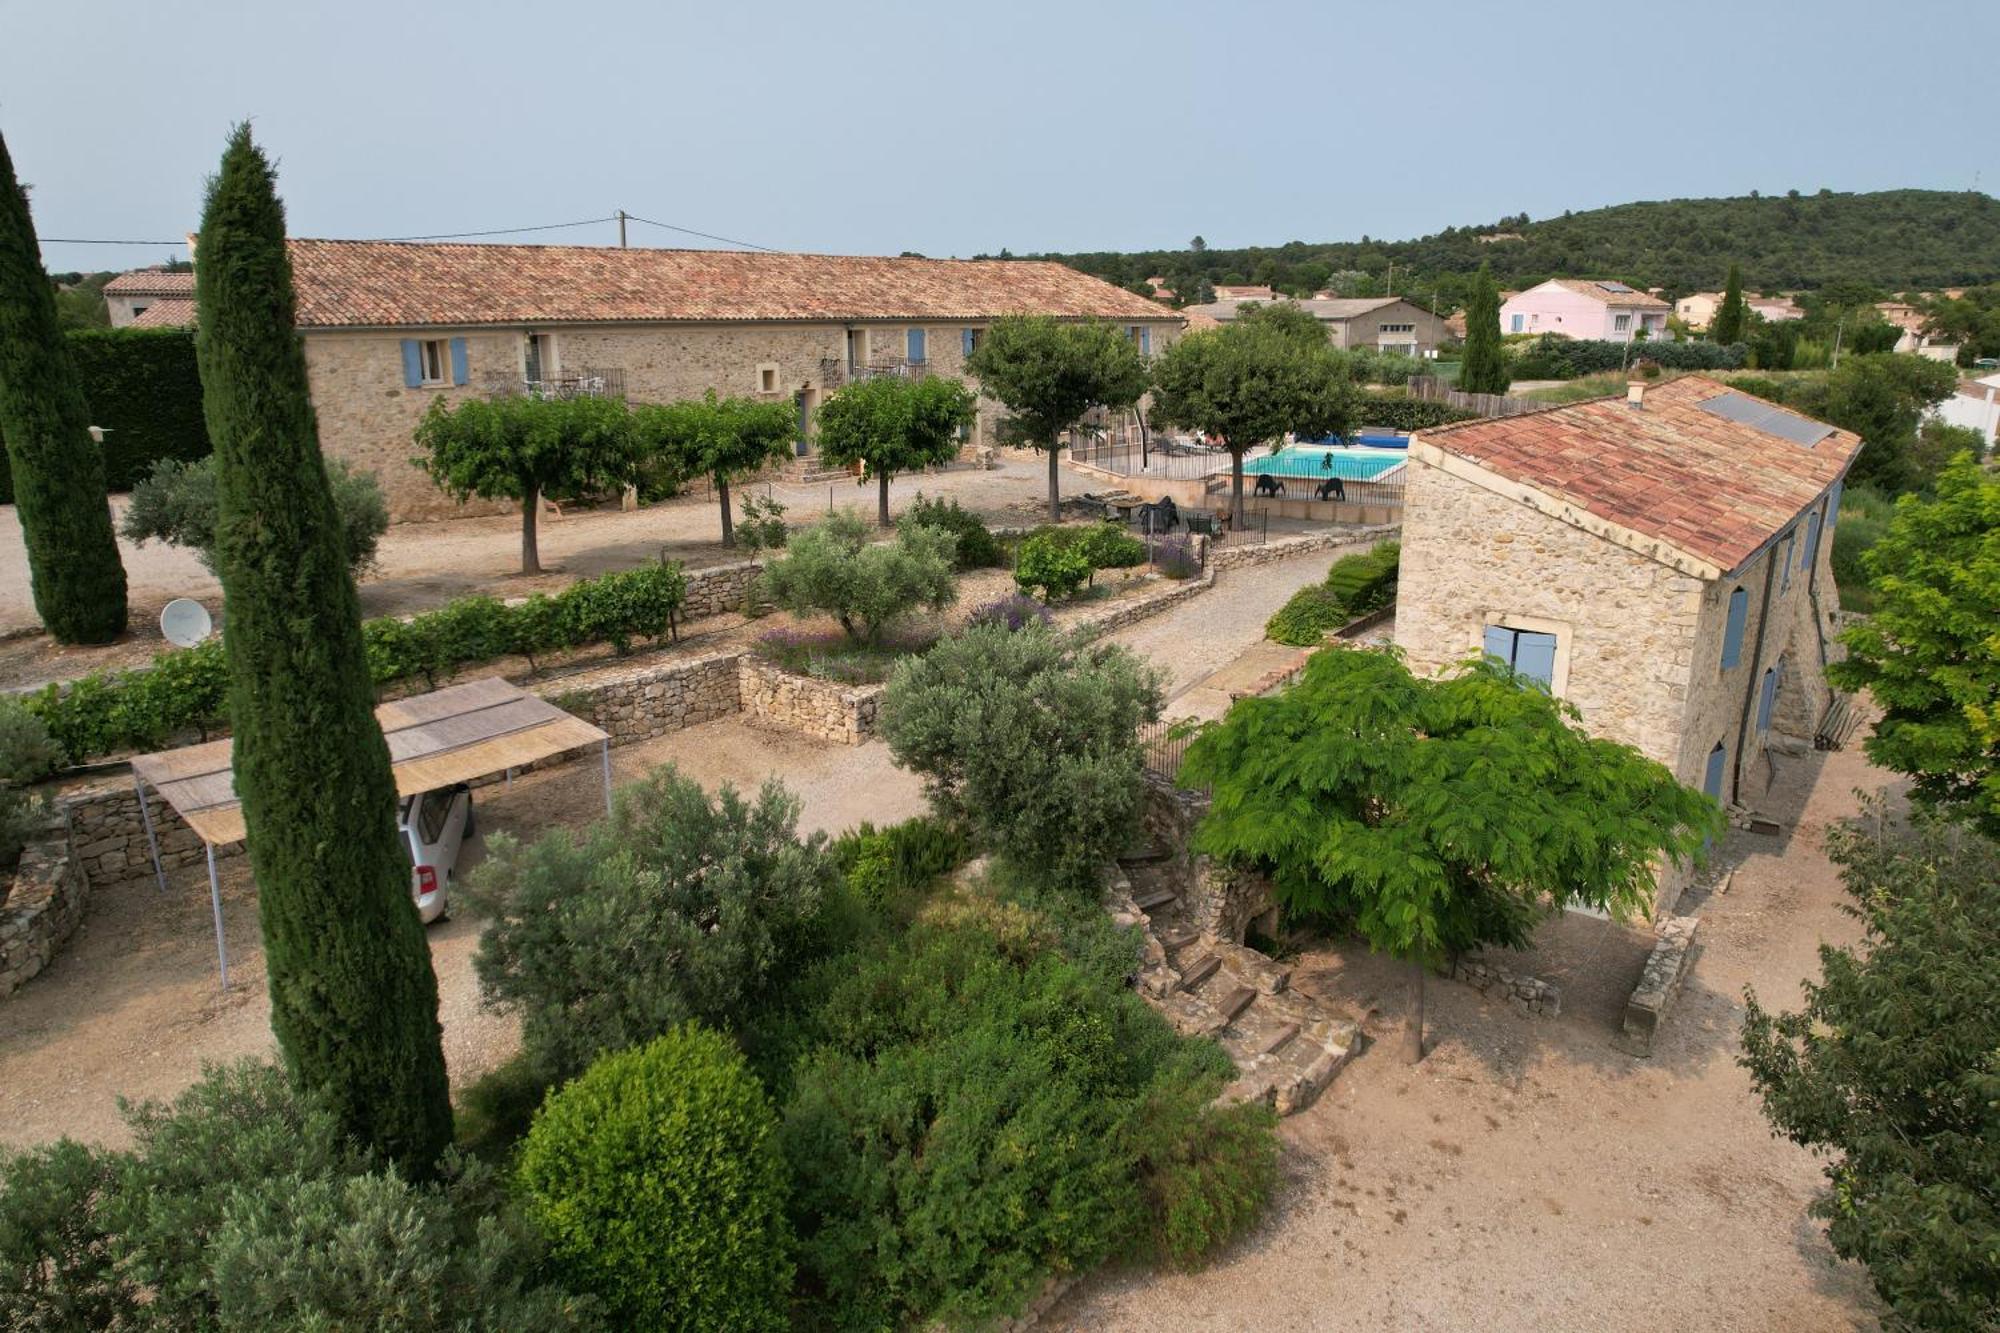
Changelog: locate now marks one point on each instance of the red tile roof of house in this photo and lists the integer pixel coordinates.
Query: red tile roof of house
(169, 312)
(1714, 488)
(345, 284)
(151, 282)
(1589, 287)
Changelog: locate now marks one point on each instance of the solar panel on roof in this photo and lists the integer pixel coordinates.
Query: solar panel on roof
(1760, 415)
(1614, 286)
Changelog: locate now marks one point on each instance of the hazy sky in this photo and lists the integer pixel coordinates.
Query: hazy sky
(952, 129)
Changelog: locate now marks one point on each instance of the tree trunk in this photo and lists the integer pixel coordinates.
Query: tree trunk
(1055, 492)
(882, 478)
(1236, 488)
(531, 554)
(728, 524)
(1413, 1041)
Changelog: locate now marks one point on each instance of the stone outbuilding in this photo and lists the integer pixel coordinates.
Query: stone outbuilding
(1663, 561)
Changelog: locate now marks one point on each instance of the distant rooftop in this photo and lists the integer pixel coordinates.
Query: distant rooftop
(151, 282)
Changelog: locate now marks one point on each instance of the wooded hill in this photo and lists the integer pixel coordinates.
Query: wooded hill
(1891, 240)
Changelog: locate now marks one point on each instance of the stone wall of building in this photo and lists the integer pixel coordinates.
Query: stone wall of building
(1626, 625)
(40, 911)
(367, 415)
(823, 709)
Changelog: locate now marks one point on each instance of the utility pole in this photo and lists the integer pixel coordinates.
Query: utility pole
(1838, 329)
(1389, 283)
(621, 229)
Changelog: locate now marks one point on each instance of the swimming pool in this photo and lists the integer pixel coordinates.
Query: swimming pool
(1307, 462)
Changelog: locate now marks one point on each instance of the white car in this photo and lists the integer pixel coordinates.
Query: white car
(435, 827)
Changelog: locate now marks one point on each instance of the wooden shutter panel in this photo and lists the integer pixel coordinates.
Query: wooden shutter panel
(1500, 643)
(458, 371)
(413, 364)
(916, 346)
(1767, 695)
(1145, 341)
(1711, 782)
(967, 341)
(1732, 630)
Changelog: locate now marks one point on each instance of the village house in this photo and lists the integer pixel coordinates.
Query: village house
(1913, 340)
(1697, 310)
(1663, 561)
(1974, 404)
(150, 297)
(391, 327)
(1386, 323)
(1583, 308)
(1244, 292)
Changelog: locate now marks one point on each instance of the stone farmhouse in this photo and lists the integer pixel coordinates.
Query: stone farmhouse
(1387, 323)
(1662, 561)
(1582, 308)
(150, 298)
(389, 327)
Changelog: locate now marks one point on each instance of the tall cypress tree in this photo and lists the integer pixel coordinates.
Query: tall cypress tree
(353, 997)
(1729, 316)
(1484, 367)
(73, 566)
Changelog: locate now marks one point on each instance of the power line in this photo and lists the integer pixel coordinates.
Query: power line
(501, 231)
(73, 240)
(706, 236)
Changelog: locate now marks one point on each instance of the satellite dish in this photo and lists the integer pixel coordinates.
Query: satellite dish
(185, 622)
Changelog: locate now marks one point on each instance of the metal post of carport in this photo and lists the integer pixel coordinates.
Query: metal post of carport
(607, 776)
(215, 902)
(152, 841)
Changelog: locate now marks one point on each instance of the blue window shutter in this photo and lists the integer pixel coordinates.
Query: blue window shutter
(1782, 553)
(1711, 781)
(1535, 657)
(967, 342)
(458, 371)
(916, 346)
(1732, 630)
(1767, 695)
(1145, 341)
(413, 364)
(1810, 552)
(1500, 643)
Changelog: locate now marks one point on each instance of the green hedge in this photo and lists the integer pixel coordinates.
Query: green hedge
(108, 712)
(1553, 358)
(1356, 585)
(143, 388)
(1392, 412)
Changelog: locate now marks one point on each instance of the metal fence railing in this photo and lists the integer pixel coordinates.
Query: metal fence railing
(1164, 745)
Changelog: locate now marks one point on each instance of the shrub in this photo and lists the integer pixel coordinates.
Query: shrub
(242, 1207)
(27, 752)
(1556, 358)
(981, 1110)
(175, 503)
(674, 907)
(1396, 412)
(1045, 563)
(1863, 521)
(1173, 556)
(1030, 737)
(883, 865)
(1205, 1171)
(1012, 612)
(832, 568)
(978, 548)
(1354, 586)
(657, 1180)
(762, 527)
(831, 655)
(1108, 546)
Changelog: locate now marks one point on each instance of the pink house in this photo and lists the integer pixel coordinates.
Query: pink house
(1581, 308)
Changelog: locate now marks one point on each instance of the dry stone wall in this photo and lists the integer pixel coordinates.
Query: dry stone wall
(41, 910)
(822, 709)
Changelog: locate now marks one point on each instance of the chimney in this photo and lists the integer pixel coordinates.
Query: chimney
(1635, 394)
(193, 239)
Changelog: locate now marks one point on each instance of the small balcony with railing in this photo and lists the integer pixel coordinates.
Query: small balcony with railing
(589, 382)
(835, 371)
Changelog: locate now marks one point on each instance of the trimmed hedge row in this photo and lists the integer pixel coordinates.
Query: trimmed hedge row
(1390, 412)
(143, 388)
(108, 712)
(1552, 358)
(1356, 585)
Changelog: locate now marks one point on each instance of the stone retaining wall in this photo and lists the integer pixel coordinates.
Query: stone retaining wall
(1528, 995)
(1284, 548)
(719, 590)
(40, 912)
(1120, 614)
(823, 709)
(1658, 984)
(642, 702)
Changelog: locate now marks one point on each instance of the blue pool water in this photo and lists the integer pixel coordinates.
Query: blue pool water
(1311, 461)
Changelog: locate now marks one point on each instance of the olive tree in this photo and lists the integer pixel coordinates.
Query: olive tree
(175, 503)
(831, 568)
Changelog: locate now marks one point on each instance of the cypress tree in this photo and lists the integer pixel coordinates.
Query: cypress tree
(73, 566)
(1484, 366)
(1729, 316)
(353, 997)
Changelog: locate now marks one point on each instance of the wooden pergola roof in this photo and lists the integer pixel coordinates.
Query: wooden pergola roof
(451, 735)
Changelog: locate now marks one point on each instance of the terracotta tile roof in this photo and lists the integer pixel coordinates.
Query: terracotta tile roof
(151, 282)
(1714, 488)
(387, 283)
(1588, 287)
(169, 312)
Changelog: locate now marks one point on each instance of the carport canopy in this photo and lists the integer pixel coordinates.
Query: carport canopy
(447, 736)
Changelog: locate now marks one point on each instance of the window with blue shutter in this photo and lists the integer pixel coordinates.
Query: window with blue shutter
(413, 363)
(1531, 654)
(1767, 695)
(916, 341)
(458, 368)
(1732, 630)
(1810, 551)
(969, 341)
(1145, 342)
(1711, 779)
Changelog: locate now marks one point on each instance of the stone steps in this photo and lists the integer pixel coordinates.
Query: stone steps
(1151, 902)
(1199, 971)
